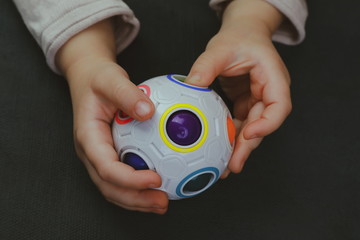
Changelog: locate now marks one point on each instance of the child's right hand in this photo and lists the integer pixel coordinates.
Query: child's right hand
(98, 88)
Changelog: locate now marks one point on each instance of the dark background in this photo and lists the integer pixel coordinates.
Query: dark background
(303, 182)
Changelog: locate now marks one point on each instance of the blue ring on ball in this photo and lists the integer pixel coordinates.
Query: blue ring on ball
(171, 78)
(188, 178)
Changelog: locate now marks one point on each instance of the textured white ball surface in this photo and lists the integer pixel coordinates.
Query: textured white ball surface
(188, 141)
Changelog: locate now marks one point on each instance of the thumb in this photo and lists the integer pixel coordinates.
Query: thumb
(207, 67)
(116, 87)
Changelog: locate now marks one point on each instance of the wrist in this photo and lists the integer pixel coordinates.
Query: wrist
(86, 69)
(92, 45)
(251, 16)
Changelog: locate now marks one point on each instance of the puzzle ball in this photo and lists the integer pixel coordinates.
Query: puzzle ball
(188, 141)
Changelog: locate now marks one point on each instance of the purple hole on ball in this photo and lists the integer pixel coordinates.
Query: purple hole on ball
(135, 161)
(183, 127)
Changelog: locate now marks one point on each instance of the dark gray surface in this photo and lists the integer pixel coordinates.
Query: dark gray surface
(303, 182)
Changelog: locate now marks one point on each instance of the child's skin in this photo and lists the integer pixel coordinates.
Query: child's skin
(253, 76)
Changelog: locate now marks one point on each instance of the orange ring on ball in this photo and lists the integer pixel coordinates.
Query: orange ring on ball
(231, 130)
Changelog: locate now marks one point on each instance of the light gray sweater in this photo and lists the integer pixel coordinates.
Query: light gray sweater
(53, 22)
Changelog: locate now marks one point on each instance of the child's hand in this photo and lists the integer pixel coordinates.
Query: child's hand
(251, 72)
(98, 88)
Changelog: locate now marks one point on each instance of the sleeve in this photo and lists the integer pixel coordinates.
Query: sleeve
(292, 30)
(54, 22)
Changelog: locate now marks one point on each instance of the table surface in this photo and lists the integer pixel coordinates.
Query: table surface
(303, 182)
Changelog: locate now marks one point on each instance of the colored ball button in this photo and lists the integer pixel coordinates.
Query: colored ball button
(183, 127)
(135, 161)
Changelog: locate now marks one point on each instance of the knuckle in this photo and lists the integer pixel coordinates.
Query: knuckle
(104, 173)
(107, 194)
(79, 151)
(236, 167)
(289, 107)
(119, 90)
(251, 147)
(79, 135)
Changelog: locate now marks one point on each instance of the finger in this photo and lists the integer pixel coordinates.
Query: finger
(131, 199)
(275, 93)
(238, 124)
(115, 86)
(225, 174)
(207, 67)
(95, 139)
(139, 200)
(160, 211)
(244, 147)
(242, 153)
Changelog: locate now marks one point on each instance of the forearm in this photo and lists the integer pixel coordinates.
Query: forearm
(92, 45)
(249, 16)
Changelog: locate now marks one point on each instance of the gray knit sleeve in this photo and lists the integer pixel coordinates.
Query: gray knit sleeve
(53, 22)
(292, 30)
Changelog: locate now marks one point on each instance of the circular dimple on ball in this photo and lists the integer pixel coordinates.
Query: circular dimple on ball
(135, 161)
(198, 183)
(183, 127)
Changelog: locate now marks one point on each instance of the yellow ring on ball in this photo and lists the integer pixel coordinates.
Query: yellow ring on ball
(165, 138)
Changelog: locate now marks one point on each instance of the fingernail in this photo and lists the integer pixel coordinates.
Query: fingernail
(225, 174)
(152, 185)
(193, 79)
(142, 108)
(157, 207)
(159, 211)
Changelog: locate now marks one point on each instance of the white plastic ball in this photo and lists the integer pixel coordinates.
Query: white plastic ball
(188, 141)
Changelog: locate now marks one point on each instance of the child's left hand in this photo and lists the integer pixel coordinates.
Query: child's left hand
(251, 72)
